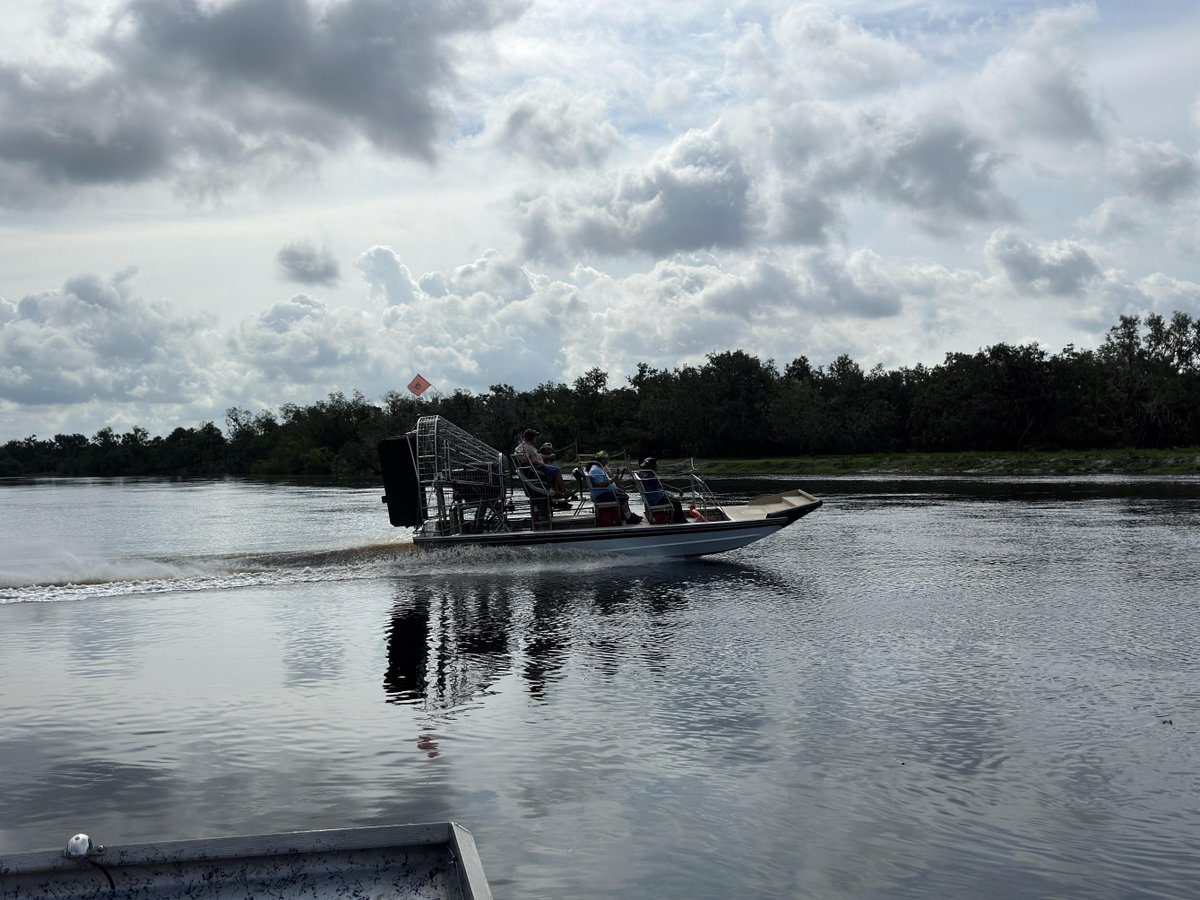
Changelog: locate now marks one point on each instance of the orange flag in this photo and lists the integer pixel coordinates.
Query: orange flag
(418, 385)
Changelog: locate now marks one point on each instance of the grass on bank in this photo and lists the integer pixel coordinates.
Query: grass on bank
(1177, 461)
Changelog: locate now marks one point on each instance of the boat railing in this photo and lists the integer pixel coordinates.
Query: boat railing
(694, 493)
(681, 478)
(472, 488)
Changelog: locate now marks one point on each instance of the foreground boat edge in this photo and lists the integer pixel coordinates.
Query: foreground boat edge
(52, 873)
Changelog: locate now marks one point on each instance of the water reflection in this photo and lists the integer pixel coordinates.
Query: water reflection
(450, 638)
(547, 643)
(447, 641)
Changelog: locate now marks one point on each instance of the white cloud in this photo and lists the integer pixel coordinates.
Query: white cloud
(1115, 217)
(935, 166)
(389, 278)
(200, 92)
(491, 274)
(840, 54)
(304, 262)
(695, 194)
(300, 341)
(96, 339)
(1158, 171)
(1169, 294)
(1055, 267)
(553, 127)
(719, 189)
(1039, 84)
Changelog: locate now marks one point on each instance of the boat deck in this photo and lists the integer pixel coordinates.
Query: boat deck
(771, 504)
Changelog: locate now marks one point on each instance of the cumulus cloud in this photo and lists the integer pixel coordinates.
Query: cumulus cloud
(820, 301)
(1064, 268)
(695, 194)
(1115, 217)
(804, 132)
(389, 279)
(489, 321)
(191, 89)
(302, 261)
(492, 274)
(857, 284)
(1039, 84)
(1158, 171)
(494, 321)
(1170, 294)
(553, 127)
(302, 341)
(840, 54)
(799, 214)
(720, 188)
(934, 165)
(95, 339)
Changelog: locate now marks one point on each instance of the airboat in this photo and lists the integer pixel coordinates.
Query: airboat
(454, 490)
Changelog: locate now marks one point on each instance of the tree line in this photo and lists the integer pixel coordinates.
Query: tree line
(1139, 389)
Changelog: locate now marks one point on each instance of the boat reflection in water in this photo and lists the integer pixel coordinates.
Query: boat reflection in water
(444, 649)
(452, 638)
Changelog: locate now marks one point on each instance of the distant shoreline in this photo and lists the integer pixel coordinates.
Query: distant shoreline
(1177, 461)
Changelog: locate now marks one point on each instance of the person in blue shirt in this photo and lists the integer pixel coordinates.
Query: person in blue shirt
(605, 488)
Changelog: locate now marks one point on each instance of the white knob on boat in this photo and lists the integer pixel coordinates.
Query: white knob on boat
(78, 846)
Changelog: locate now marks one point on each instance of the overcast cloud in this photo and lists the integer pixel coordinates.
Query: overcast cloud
(508, 192)
(306, 263)
(189, 90)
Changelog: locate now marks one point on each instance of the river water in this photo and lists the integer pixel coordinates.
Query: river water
(925, 689)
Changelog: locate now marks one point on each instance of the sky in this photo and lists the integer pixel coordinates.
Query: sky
(217, 203)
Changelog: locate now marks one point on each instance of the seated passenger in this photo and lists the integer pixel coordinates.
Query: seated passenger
(550, 475)
(656, 491)
(605, 488)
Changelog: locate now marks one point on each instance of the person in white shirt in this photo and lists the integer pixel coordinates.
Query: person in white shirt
(549, 473)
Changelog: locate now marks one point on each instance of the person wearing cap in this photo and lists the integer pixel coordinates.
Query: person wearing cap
(656, 491)
(606, 488)
(548, 453)
(550, 474)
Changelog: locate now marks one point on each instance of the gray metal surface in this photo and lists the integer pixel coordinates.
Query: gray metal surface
(437, 861)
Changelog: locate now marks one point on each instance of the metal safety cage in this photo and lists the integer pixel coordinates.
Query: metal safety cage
(464, 478)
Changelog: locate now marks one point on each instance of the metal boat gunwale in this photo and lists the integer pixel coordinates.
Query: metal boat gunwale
(52, 873)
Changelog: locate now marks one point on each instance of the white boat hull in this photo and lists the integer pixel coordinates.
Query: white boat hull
(744, 524)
